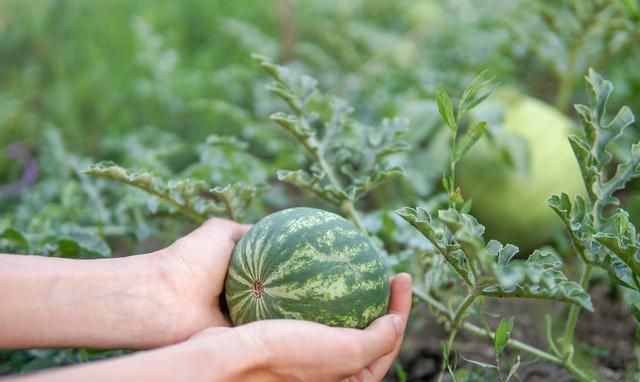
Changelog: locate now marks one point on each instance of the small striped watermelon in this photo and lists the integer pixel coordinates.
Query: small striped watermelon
(308, 264)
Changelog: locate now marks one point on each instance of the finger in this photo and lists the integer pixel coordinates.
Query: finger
(209, 332)
(225, 227)
(400, 304)
(215, 235)
(379, 338)
(216, 229)
(239, 231)
(401, 295)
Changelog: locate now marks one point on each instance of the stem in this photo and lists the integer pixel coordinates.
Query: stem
(567, 338)
(512, 343)
(567, 82)
(460, 312)
(433, 303)
(230, 212)
(452, 169)
(196, 218)
(347, 205)
(580, 374)
(186, 210)
(287, 29)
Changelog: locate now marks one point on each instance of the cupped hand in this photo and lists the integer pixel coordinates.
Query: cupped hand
(292, 350)
(194, 269)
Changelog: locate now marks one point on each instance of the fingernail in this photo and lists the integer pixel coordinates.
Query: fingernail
(397, 322)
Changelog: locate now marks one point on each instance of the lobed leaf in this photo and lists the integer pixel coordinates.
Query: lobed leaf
(193, 198)
(624, 244)
(421, 220)
(593, 154)
(565, 291)
(348, 159)
(540, 276)
(237, 197)
(577, 221)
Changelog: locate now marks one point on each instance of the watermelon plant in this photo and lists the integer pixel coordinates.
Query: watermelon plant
(292, 263)
(186, 118)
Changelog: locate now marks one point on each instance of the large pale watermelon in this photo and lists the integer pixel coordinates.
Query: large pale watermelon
(308, 264)
(510, 201)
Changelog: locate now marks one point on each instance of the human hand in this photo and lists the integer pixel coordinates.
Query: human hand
(133, 302)
(291, 350)
(194, 268)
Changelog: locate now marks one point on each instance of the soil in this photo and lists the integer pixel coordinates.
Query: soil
(606, 340)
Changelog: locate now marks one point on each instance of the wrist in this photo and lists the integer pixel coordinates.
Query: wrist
(232, 353)
(182, 316)
(143, 304)
(191, 286)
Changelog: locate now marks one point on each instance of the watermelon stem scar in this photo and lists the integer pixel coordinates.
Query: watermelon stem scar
(257, 289)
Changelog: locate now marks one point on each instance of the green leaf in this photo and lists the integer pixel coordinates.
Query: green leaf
(75, 242)
(294, 90)
(593, 154)
(363, 183)
(421, 220)
(304, 180)
(577, 222)
(237, 198)
(340, 110)
(623, 243)
(297, 126)
(587, 163)
(13, 236)
(483, 365)
(471, 97)
(467, 233)
(466, 206)
(625, 172)
(193, 198)
(503, 254)
(445, 108)
(348, 159)
(386, 140)
(445, 184)
(635, 310)
(564, 291)
(539, 277)
(469, 139)
(503, 334)
(401, 374)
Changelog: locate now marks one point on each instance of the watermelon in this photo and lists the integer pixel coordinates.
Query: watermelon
(307, 264)
(510, 200)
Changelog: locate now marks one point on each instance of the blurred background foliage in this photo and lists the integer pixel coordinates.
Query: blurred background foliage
(170, 87)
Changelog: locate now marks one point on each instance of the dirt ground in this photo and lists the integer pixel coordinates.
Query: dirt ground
(606, 336)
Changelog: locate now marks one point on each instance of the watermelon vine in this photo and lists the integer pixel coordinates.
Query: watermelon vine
(347, 159)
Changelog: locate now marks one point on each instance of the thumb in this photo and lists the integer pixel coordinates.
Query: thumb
(381, 336)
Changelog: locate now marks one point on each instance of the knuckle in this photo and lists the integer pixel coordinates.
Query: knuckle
(218, 222)
(260, 346)
(356, 359)
(389, 344)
